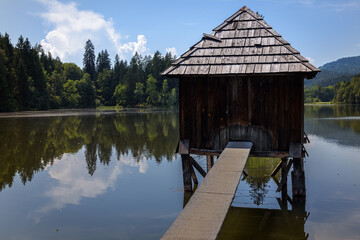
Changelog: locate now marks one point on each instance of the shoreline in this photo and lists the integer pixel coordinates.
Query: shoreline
(81, 112)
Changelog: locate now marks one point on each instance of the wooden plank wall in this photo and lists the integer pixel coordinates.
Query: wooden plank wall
(266, 110)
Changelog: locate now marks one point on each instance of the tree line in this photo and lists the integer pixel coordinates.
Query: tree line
(31, 79)
(346, 92)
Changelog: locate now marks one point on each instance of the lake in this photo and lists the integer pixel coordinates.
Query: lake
(114, 175)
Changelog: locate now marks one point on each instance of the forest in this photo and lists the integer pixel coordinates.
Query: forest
(346, 92)
(32, 79)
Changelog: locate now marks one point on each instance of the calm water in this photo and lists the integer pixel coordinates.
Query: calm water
(108, 175)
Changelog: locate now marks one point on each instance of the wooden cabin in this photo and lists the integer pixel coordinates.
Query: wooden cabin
(242, 82)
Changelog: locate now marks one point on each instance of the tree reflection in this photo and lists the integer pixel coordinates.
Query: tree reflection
(343, 120)
(259, 170)
(28, 145)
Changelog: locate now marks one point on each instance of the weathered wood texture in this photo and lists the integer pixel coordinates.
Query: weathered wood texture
(244, 44)
(204, 214)
(266, 110)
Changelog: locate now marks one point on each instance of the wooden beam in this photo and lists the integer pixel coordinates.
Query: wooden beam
(274, 154)
(186, 164)
(270, 154)
(209, 162)
(193, 175)
(198, 167)
(277, 184)
(278, 167)
(284, 176)
(198, 151)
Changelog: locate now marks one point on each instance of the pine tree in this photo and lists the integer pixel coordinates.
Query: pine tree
(89, 60)
(103, 61)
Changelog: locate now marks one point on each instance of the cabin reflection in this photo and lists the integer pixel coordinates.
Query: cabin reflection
(285, 220)
(260, 223)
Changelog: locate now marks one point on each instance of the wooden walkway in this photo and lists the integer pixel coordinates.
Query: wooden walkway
(204, 214)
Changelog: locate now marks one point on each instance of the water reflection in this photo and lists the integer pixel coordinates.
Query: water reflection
(29, 145)
(258, 179)
(258, 223)
(339, 123)
(259, 219)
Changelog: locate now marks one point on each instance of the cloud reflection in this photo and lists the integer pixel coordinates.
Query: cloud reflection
(74, 182)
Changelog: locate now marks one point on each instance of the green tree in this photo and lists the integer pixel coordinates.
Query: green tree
(86, 91)
(71, 94)
(120, 94)
(173, 97)
(89, 60)
(105, 90)
(139, 92)
(55, 86)
(6, 101)
(165, 93)
(103, 61)
(134, 74)
(151, 91)
(72, 71)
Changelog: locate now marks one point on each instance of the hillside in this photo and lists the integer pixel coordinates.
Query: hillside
(334, 72)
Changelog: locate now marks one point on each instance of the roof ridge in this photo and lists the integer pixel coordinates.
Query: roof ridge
(237, 13)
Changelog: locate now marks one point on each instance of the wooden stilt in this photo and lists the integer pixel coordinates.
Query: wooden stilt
(298, 178)
(186, 165)
(278, 167)
(193, 175)
(277, 184)
(209, 162)
(284, 172)
(187, 196)
(284, 200)
(198, 167)
(298, 210)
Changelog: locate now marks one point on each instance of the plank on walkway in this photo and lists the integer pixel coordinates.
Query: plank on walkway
(204, 214)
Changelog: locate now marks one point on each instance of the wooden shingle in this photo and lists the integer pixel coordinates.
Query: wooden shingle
(243, 44)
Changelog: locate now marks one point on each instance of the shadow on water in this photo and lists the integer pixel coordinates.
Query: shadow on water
(30, 144)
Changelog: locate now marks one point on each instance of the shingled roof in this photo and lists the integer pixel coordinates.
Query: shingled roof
(244, 44)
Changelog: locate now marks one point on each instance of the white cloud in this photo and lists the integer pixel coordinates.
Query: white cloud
(358, 44)
(73, 27)
(139, 46)
(171, 50)
(311, 60)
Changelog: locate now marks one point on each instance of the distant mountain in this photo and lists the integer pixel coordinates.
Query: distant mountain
(334, 72)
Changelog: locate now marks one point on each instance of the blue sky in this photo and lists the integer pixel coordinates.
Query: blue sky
(322, 30)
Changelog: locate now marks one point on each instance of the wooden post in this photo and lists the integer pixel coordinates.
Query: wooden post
(209, 162)
(186, 165)
(298, 178)
(284, 172)
(300, 216)
(193, 175)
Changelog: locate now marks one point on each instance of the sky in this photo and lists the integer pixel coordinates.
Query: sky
(322, 30)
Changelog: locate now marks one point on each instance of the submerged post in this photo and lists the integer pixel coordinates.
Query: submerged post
(209, 162)
(186, 167)
(298, 178)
